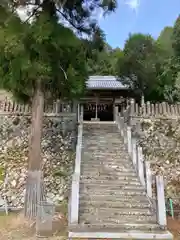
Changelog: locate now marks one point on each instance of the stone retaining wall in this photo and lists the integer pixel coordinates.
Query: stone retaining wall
(160, 139)
(58, 144)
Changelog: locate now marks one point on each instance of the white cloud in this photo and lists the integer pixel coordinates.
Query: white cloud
(133, 4)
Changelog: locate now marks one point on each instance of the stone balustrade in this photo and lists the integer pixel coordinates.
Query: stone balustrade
(143, 169)
(74, 199)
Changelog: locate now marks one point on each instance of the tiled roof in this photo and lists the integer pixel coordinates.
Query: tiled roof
(104, 82)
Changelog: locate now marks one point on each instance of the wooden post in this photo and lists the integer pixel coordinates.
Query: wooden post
(161, 207)
(148, 179)
(140, 165)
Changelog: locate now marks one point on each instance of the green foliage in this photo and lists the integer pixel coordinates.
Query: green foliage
(44, 51)
(78, 13)
(165, 40)
(140, 64)
(104, 62)
(176, 38)
(171, 68)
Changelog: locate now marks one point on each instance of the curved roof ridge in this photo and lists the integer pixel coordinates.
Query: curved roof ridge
(104, 82)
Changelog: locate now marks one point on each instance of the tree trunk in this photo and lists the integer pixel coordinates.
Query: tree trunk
(34, 184)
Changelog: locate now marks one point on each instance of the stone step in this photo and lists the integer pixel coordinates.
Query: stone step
(110, 192)
(119, 159)
(110, 187)
(108, 174)
(114, 204)
(120, 219)
(117, 155)
(118, 142)
(107, 152)
(110, 183)
(118, 199)
(105, 145)
(115, 211)
(115, 167)
(110, 178)
(104, 153)
(100, 171)
(110, 226)
(96, 162)
(105, 234)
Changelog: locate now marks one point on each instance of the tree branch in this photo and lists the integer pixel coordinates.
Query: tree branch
(69, 21)
(32, 14)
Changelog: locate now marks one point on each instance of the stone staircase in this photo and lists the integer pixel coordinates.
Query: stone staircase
(112, 201)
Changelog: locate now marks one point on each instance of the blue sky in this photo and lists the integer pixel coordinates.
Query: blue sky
(145, 16)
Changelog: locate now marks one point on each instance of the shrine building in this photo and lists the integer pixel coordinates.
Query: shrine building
(103, 94)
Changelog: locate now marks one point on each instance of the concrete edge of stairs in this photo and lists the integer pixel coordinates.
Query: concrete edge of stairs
(135, 235)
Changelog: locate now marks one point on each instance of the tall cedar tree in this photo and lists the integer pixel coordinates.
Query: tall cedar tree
(44, 59)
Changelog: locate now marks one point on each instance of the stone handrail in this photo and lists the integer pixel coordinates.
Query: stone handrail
(143, 169)
(74, 199)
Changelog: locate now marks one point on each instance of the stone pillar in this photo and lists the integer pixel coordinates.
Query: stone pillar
(78, 113)
(132, 111)
(96, 116)
(161, 207)
(129, 141)
(115, 113)
(140, 165)
(57, 106)
(134, 152)
(142, 100)
(81, 112)
(148, 179)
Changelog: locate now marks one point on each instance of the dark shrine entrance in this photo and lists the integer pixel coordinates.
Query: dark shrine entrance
(102, 111)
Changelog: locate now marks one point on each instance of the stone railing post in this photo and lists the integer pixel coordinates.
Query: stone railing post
(121, 120)
(140, 165)
(134, 152)
(81, 113)
(132, 107)
(148, 105)
(148, 179)
(78, 112)
(116, 113)
(161, 207)
(125, 133)
(74, 204)
(129, 142)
